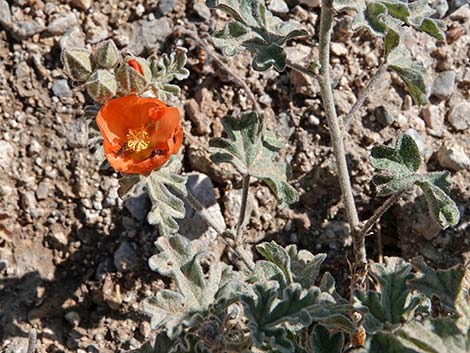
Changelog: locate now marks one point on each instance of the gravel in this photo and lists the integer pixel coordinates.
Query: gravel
(459, 116)
(444, 84)
(453, 158)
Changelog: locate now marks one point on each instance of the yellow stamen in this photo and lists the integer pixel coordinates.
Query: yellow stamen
(138, 139)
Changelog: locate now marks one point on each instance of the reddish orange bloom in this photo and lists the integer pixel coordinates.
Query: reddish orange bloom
(140, 134)
(136, 66)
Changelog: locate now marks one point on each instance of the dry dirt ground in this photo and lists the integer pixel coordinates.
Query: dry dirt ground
(73, 256)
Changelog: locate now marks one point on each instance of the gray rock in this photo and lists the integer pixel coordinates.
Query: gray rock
(453, 158)
(5, 14)
(202, 10)
(43, 190)
(433, 117)
(26, 29)
(34, 148)
(149, 34)
(73, 318)
(82, 4)
(166, 6)
(459, 116)
(441, 7)
(456, 4)
(444, 84)
(193, 226)
(73, 38)
(3, 264)
(279, 6)
(28, 201)
(77, 134)
(138, 203)
(125, 257)
(7, 153)
(384, 117)
(61, 88)
(62, 24)
(418, 139)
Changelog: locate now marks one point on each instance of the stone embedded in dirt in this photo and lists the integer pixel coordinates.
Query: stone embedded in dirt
(339, 49)
(73, 38)
(7, 153)
(453, 158)
(202, 10)
(444, 84)
(166, 6)
(433, 117)
(278, 6)
(201, 122)
(26, 29)
(77, 134)
(149, 34)
(34, 148)
(28, 201)
(193, 226)
(5, 14)
(459, 116)
(384, 117)
(61, 88)
(125, 257)
(73, 318)
(43, 190)
(61, 24)
(441, 7)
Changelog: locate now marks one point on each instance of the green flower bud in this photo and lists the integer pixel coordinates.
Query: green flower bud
(77, 63)
(106, 54)
(134, 75)
(101, 86)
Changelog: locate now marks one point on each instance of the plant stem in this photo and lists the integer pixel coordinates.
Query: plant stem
(379, 212)
(244, 202)
(225, 235)
(32, 341)
(360, 260)
(363, 95)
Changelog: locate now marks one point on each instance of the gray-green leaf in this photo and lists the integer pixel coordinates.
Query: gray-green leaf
(251, 154)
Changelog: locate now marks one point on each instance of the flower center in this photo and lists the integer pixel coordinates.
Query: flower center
(138, 139)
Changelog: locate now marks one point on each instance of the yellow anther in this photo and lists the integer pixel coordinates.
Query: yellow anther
(138, 139)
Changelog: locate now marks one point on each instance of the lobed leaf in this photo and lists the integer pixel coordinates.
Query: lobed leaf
(251, 154)
(164, 186)
(324, 342)
(255, 28)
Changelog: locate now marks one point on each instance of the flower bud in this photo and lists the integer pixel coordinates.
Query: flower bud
(134, 75)
(77, 63)
(101, 85)
(106, 54)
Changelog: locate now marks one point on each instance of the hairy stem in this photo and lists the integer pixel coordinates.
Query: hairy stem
(237, 80)
(244, 202)
(363, 95)
(379, 212)
(225, 235)
(360, 261)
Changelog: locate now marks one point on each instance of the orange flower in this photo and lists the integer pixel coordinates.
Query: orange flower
(140, 134)
(136, 66)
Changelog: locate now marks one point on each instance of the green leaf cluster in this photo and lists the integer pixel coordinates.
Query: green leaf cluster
(251, 149)
(399, 167)
(255, 28)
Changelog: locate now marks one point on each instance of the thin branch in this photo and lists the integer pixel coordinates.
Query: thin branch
(302, 69)
(244, 202)
(238, 81)
(363, 95)
(225, 235)
(379, 212)
(360, 260)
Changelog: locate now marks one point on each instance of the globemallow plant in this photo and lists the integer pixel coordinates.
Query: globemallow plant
(279, 303)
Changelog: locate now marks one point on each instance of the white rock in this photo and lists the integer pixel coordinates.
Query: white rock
(453, 157)
(459, 116)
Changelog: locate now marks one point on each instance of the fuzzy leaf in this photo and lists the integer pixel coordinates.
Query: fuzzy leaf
(442, 208)
(433, 336)
(270, 309)
(324, 342)
(444, 284)
(166, 69)
(411, 72)
(297, 266)
(387, 307)
(255, 28)
(247, 150)
(196, 291)
(162, 185)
